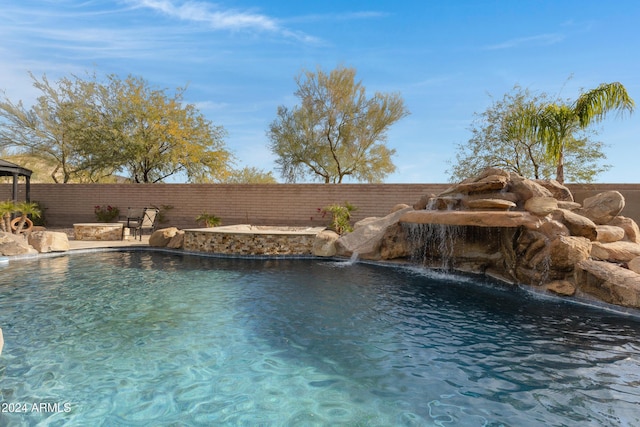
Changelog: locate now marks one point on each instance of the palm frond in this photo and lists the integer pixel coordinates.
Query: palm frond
(592, 106)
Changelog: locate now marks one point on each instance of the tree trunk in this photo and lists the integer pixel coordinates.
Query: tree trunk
(20, 225)
(560, 168)
(6, 223)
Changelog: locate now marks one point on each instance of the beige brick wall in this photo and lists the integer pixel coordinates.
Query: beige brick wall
(258, 204)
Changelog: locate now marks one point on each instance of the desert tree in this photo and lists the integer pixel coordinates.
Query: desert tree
(502, 137)
(64, 127)
(336, 131)
(160, 135)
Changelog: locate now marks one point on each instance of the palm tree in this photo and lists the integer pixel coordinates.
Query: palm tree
(555, 124)
(26, 209)
(7, 207)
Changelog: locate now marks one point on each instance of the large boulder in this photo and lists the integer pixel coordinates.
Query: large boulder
(566, 251)
(395, 243)
(609, 233)
(526, 189)
(48, 241)
(602, 207)
(616, 251)
(608, 282)
(558, 191)
(541, 206)
(366, 240)
(630, 227)
(12, 244)
(161, 238)
(634, 265)
(324, 243)
(578, 225)
(177, 241)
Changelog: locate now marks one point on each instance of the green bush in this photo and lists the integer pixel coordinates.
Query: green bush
(340, 217)
(106, 213)
(209, 220)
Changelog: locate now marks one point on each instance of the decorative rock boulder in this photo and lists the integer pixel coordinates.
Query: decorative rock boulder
(608, 282)
(161, 238)
(366, 240)
(634, 265)
(566, 251)
(558, 191)
(578, 225)
(11, 244)
(541, 206)
(603, 207)
(631, 230)
(616, 251)
(324, 243)
(177, 241)
(48, 241)
(570, 206)
(526, 188)
(609, 233)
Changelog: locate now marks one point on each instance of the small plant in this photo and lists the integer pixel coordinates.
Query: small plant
(209, 220)
(340, 217)
(40, 220)
(106, 213)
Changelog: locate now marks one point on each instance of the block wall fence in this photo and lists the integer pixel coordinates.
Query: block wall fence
(257, 204)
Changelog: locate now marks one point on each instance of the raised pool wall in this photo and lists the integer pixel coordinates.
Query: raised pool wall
(258, 204)
(245, 239)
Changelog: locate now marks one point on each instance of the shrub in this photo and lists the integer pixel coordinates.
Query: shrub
(340, 217)
(106, 213)
(209, 220)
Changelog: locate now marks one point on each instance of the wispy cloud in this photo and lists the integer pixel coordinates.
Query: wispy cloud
(539, 40)
(217, 19)
(221, 19)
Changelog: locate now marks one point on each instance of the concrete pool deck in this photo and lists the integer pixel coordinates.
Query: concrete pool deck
(98, 244)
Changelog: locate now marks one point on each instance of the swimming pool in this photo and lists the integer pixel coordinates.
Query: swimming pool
(145, 338)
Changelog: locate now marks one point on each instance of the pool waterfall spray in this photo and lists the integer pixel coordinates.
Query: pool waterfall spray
(434, 244)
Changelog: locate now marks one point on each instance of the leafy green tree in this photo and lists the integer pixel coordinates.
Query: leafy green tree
(336, 131)
(61, 128)
(160, 136)
(250, 175)
(91, 129)
(501, 137)
(557, 123)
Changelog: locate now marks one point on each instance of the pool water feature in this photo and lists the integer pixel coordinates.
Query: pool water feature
(144, 338)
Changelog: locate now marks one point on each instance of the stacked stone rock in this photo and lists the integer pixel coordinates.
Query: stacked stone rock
(546, 240)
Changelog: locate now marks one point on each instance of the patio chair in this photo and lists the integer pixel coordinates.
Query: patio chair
(148, 221)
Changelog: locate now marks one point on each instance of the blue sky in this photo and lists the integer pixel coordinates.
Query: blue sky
(239, 59)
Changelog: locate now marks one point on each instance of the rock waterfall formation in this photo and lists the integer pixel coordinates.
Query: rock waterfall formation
(515, 229)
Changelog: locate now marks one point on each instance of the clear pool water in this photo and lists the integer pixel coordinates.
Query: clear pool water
(140, 338)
